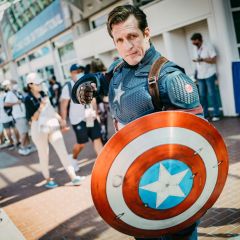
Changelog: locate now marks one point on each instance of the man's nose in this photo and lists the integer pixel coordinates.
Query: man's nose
(128, 44)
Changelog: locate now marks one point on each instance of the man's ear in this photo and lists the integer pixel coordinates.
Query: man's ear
(147, 33)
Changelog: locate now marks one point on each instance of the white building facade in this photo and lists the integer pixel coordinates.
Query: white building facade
(172, 23)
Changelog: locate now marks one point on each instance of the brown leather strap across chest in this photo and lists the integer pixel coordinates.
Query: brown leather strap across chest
(153, 82)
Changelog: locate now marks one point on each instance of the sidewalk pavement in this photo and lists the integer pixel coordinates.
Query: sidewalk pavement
(67, 212)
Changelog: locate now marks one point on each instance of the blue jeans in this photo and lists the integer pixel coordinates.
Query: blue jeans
(189, 233)
(207, 88)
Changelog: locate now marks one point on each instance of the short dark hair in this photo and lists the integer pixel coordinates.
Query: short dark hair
(121, 13)
(196, 36)
(97, 65)
(53, 78)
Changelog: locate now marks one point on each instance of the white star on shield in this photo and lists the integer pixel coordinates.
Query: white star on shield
(118, 93)
(166, 185)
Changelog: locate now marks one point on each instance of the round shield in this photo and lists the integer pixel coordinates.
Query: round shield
(159, 174)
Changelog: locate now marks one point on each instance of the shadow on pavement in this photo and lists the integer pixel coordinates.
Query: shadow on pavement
(84, 226)
(26, 187)
(222, 216)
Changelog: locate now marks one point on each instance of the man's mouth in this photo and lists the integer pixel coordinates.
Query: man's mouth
(130, 54)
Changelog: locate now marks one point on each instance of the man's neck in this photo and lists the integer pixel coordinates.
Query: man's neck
(200, 45)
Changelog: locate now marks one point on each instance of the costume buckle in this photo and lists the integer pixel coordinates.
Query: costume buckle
(152, 80)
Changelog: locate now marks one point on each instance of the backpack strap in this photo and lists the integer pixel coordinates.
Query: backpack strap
(69, 85)
(153, 82)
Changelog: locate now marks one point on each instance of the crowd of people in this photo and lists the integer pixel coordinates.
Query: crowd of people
(32, 118)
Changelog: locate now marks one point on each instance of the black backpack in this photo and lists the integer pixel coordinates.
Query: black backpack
(8, 110)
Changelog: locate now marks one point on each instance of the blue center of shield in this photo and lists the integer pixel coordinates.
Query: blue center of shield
(165, 184)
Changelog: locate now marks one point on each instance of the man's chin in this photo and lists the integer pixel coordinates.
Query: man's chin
(133, 62)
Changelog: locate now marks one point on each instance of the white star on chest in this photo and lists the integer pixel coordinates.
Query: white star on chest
(167, 185)
(118, 93)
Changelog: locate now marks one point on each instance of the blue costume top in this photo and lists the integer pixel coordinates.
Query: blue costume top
(129, 97)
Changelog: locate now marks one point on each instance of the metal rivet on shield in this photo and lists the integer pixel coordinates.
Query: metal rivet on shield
(194, 174)
(117, 181)
(198, 151)
(119, 216)
(220, 162)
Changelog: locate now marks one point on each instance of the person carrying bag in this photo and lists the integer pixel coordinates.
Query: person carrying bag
(46, 127)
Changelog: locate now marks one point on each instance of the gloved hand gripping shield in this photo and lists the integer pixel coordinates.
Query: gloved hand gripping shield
(85, 89)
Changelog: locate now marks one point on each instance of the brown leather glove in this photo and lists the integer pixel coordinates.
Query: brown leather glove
(86, 92)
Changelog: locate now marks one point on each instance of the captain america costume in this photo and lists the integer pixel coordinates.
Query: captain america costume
(129, 98)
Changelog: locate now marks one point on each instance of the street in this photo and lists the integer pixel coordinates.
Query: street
(68, 213)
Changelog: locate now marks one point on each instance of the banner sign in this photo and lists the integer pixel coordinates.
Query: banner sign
(46, 25)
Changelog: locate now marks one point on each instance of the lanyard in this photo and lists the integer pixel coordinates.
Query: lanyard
(199, 51)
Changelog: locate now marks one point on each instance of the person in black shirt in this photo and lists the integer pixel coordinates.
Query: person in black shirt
(55, 90)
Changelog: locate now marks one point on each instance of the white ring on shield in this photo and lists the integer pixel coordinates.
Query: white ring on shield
(169, 135)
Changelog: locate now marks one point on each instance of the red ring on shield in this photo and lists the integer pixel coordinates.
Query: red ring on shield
(132, 131)
(154, 155)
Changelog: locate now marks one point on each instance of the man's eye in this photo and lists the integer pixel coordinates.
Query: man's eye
(132, 37)
(119, 40)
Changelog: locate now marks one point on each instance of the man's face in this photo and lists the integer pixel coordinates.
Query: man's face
(74, 75)
(130, 41)
(197, 43)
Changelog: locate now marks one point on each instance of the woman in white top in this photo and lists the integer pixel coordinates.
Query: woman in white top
(45, 128)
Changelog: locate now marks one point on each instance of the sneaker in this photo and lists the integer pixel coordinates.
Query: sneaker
(74, 163)
(32, 148)
(24, 151)
(10, 147)
(78, 180)
(4, 145)
(214, 119)
(51, 184)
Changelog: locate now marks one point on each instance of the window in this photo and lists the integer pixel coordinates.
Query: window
(23, 81)
(67, 52)
(99, 21)
(236, 20)
(46, 72)
(35, 8)
(21, 62)
(28, 14)
(140, 3)
(40, 53)
(235, 3)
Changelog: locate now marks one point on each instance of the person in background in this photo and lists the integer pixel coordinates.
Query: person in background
(102, 102)
(7, 118)
(205, 58)
(2, 135)
(82, 118)
(45, 128)
(55, 90)
(2, 138)
(15, 100)
(87, 69)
